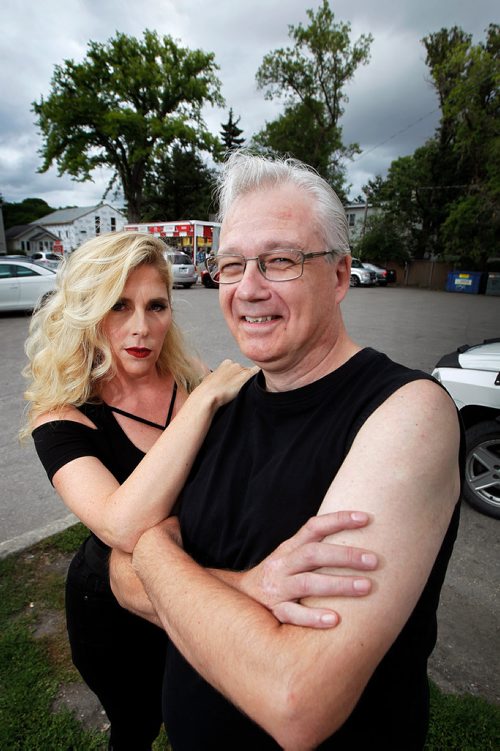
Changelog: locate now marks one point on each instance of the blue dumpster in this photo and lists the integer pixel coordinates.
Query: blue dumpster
(464, 281)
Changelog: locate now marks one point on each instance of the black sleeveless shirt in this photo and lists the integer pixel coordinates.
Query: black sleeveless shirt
(263, 470)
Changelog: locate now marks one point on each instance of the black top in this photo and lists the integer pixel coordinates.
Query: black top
(60, 441)
(263, 470)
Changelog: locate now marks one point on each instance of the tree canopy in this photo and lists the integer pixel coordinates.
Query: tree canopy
(25, 212)
(445, 197)
(179, 187)
(310, 77)
(125, 107)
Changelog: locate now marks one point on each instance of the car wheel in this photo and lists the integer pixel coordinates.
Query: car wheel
(187, 286)
(382, 284)
(482, 468)
(354, 281)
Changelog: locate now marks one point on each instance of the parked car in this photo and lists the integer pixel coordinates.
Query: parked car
(472, 377)
(46, 258)
(207, 280)
(384, 276)
(183, 268)
(23, 283)
(361, 276)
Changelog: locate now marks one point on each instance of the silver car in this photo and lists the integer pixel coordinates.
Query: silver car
(23, 283)
(184, 271)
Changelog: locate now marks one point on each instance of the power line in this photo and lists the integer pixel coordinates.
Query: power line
(394, 135)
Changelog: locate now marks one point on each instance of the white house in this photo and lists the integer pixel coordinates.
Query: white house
(357, 216)
(28, 238)
(74, 226)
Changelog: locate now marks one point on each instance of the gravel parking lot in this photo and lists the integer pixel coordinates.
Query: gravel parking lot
(412, 326)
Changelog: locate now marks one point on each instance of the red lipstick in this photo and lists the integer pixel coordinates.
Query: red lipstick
(139, 352)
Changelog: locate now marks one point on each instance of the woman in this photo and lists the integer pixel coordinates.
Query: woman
(109, 373)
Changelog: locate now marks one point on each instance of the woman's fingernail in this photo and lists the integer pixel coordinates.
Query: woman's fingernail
(369, 559)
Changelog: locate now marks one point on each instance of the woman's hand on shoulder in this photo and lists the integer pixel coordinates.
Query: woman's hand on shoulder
(68, 412)
(222, 385)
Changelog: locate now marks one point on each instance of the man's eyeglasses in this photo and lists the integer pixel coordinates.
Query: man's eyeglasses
(276, 265)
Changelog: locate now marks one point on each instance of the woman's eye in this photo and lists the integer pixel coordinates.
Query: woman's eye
(158, 306)
(118, 306)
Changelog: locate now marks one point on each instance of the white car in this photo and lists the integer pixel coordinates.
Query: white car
(23, 283)
(361, 277)
(471, 375)
(184, 271)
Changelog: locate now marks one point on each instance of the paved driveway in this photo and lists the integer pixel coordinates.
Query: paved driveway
(412, 326)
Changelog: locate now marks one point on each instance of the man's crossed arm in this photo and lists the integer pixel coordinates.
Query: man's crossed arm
(301, 684)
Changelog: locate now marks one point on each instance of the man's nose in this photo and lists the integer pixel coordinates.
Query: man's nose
(253, 283)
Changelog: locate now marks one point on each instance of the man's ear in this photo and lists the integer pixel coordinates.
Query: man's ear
(343, 271)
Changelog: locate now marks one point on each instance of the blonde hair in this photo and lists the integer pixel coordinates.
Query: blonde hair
(69, 355)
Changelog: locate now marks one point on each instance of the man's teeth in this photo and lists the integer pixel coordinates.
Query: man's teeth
(261, 319)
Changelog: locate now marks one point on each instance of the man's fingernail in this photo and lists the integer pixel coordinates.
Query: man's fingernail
(329, 619)
(361, 585)
(359, 516)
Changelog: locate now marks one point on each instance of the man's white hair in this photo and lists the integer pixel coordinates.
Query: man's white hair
(244, 173)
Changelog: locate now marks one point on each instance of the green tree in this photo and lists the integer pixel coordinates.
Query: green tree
(179, 187)
(310, 76)
(445, 197)
(230, 134)
(25, 212)
(383, 241)
(296, 133)
(467, 79)
(124, 107)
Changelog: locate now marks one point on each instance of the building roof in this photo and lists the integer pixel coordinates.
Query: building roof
(13, 233)
(66, 216)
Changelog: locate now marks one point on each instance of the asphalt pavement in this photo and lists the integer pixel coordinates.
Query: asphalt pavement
(415, 327)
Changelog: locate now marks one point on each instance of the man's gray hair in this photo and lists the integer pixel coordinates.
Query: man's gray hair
(244, 173)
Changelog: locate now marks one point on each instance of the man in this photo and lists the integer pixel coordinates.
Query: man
(325, 426)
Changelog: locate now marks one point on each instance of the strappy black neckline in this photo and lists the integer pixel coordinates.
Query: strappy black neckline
(149, 422)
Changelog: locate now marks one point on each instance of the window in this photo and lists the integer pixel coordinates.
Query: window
(113, 224)
(352, 219)
(25, 271)
(97, 225)
(6, 271)
(22, 244)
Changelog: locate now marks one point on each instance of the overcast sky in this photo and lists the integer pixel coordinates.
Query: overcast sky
(392, 108)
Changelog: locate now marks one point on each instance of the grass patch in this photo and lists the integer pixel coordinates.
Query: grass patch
(35, 664)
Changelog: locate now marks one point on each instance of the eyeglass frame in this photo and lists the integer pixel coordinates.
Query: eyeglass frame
(304, 257)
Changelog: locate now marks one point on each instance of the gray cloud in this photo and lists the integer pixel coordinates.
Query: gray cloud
(389, 100)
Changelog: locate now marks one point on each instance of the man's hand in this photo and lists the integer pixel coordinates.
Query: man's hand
(306, 566)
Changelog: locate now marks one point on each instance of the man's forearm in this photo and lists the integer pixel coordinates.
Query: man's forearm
(244, 652)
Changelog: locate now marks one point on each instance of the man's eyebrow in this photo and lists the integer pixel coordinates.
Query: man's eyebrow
(266, 248)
